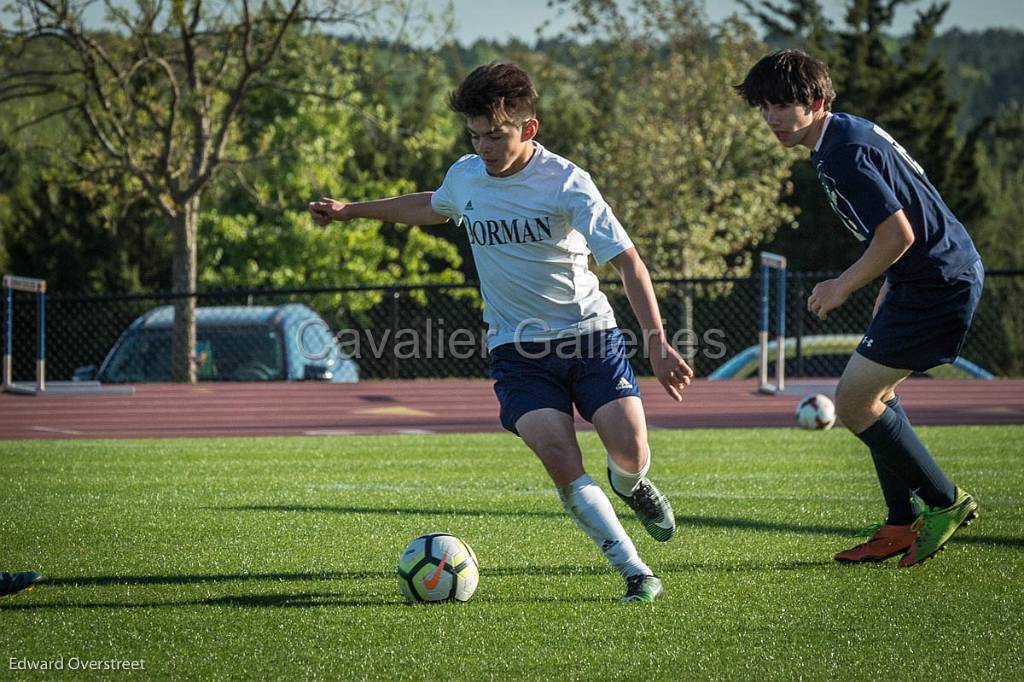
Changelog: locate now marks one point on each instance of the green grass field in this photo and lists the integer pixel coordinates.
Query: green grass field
(274, 559)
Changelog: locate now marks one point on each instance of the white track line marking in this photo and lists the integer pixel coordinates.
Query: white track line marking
(331, 432)
(47, 429)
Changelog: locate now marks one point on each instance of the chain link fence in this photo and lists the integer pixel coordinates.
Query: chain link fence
(408, 332)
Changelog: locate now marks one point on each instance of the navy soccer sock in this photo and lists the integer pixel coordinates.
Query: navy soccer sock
(895, 489)
(893, 441)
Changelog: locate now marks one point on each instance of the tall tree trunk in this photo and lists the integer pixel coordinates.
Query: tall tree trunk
(185, 224)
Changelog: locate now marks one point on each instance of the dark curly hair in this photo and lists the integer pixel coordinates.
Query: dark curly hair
(787, 77)
(501, 92)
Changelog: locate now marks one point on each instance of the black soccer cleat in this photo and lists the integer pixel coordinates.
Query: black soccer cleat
(11, 583)
(651, 507)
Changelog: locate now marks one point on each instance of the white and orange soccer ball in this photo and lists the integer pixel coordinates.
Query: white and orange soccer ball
(437, 567)
(816, 413)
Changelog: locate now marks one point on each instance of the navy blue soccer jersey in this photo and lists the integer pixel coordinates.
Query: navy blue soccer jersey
(868, 176)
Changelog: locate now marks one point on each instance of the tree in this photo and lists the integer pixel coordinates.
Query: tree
(161, 100)
(259, 234)
(998, 236)
(688, 169)
(60, 227)
(983, 70)
(896, 83)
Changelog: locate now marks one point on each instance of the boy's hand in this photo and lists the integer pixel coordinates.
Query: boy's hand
(671, 370)
(826, 297)
(327, 209)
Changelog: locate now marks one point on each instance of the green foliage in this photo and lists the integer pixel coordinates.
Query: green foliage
(78, 236)
(351, 144)
(998, 235)
(691, 175)
(638, 95)
(82, 233)
(353, 120)
(983, 70)
(896, 84)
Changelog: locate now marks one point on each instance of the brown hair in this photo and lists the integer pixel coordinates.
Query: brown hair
(787, 77)
(501, 92)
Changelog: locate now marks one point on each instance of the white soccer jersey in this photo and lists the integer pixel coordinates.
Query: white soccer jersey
(531, 235)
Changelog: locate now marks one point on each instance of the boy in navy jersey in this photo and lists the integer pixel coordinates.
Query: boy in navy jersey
(933, 281)
(533, 219)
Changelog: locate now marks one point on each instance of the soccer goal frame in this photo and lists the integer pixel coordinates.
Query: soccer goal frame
(770, 262)
(11, 284)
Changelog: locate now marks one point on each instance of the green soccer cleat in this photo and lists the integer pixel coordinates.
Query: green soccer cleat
(651, 507)
(643, 588)
(936, 526)
(16, 582)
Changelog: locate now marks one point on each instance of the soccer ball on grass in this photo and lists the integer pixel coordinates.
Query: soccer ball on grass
(437, 567)
(816, 413)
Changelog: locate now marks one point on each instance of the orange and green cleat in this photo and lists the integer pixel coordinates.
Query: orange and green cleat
(936, 526)
(886, 541)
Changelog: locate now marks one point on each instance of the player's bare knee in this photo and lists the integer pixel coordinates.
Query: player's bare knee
(851, 409)
(554, 448)
(630, 454)
(562, 464)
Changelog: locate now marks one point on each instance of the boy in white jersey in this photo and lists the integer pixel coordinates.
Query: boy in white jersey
(533, 218)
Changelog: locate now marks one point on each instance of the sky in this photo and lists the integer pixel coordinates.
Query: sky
(520, 18)
(503, 19)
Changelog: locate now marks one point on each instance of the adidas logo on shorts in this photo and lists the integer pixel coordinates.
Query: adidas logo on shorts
(623, 385)
(469, 206)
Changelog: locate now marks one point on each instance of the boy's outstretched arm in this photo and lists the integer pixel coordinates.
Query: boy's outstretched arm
(409, 209)
(670, 369)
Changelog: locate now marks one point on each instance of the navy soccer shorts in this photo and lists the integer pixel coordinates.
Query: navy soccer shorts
(587, 371)
(921, 325)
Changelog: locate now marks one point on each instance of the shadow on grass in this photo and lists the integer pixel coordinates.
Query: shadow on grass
(393, 511)
(966, 537)
(192, 579)
(963, 537)
(257, 601)
(290, 601)
(324, 599)
(327, 599)
(313, 600)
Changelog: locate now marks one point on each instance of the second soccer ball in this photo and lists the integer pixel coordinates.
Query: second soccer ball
(816, 413)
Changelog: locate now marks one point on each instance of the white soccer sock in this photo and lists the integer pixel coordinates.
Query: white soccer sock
(625, 482)
(589, 507)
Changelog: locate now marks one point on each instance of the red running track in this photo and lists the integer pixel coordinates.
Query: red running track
(233, 409)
